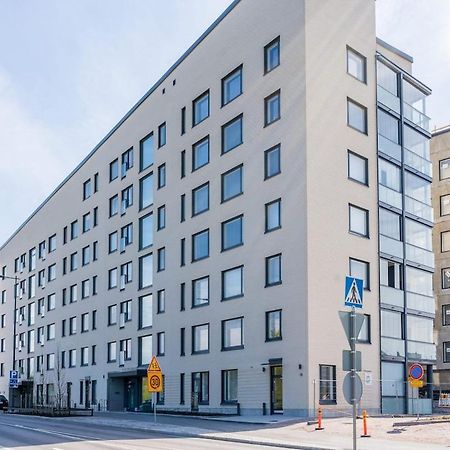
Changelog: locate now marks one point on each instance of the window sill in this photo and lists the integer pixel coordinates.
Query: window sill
(267, 124)
(225, 299)
(273, 284)
(228, 349)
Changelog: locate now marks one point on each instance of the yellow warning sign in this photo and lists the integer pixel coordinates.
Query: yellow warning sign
(415, 383)
(154, 365)
(154, 376)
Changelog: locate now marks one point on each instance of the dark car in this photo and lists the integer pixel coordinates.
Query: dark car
(3, 402)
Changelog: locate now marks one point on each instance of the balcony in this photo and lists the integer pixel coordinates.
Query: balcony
(420, 302)
(418, 209)
(421, 351)
(415, 116)
(389, 148)
(417, 162)
(390, 197)
(391, 246)
(391, 347)
(391, 296)
(420, 256)
(388, 99)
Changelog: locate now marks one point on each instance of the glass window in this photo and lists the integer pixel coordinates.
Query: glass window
(272, 162)
(146, 152)
(127, 162)
(417, 188)
(113, 242)
(146, 271)
(444, 169)
(445, 276)
(113, 206)
(419, 281)
(232, 183)
(273, 325)
(200, 153)
(445, 315)
(161, 217)
(390, 224)
(446, 351)
(233, 283)
(145, 350)
(273, 215)
(445, 241)
(146, 231)
(364, 333)
(388, 126)
(161, 344)
(389, 175)
(161, 176)
(387, 78)
(85, 255)
(161, 301)
(112, 278)
(146, 311)
(358, 168)
(360, 269)
(162, 135)
(420, 328)
(418, 234)
(417, 142)
(161, 259)
(230, 386)
(232, 235)
(200, 245)
(200, 108)
(357, 116)
(113, 170)
(200, 386)
(232, 86)
(87, 189)
(273, 270)
(200, 291)
(232, 135)
(200, 338)
(327, 387)
(146, 191)
(272, 55)
(272, 108)
(112, 351)
(200, 199)
(358, 220)
(391, 274)
(445, 205)
(356, 64)
(232, 334)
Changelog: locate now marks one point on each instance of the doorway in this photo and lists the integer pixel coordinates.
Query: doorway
(276, 389)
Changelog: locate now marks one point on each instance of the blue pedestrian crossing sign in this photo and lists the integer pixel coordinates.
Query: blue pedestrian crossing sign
(353, 292)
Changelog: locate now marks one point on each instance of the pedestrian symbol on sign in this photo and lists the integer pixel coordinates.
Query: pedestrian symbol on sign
(353, 292)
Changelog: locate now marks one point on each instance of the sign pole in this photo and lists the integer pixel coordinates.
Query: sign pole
(353, 369)
(154, 407)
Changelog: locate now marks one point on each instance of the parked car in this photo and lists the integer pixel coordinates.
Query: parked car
(3, 402)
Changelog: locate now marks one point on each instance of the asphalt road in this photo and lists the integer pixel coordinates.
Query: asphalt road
(30, 432)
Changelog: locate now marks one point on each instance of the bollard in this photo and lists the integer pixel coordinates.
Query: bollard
(319, 420)
(365, 434)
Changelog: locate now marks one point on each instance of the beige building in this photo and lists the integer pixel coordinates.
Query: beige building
(215, 224)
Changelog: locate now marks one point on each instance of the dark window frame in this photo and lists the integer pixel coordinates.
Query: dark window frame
(200, 305)
(352, 50)
(234, 347)
(366, 211)
(267, 99)
(141, 147)
(223, 226)
(193, 259)
(239, 117)
(278, 338)
(223, 298)
(194, 191)
(267, 259)
(162, 142)
(194, 147)
(225, 79)
(366, 168)
(266, 206)
(194, 104)
(266, 153)
(332, 401)
(366, 118)
(277, 41)
(239, 167)
(193, 341)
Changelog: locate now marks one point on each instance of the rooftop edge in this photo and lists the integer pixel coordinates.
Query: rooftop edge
(395, 50)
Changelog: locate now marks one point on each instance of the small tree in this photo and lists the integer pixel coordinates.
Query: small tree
(60, 382)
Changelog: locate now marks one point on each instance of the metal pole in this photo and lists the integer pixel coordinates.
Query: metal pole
(353, 369)
(314, 398)
(154, 407)
(12, 395)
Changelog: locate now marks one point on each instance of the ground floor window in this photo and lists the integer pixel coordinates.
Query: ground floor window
(200, 387)
(327, 384)
(230, 386)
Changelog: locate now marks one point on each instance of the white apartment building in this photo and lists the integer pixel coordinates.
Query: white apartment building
(215, 224)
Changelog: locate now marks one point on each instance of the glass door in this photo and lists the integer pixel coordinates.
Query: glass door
(276, 382)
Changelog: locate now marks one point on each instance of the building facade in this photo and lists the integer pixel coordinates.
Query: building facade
(215, 224)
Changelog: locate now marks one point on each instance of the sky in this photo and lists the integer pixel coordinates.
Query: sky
(69, 70)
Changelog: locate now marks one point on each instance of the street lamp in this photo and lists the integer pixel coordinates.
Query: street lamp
(16, 282)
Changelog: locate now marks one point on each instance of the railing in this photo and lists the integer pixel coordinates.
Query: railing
(421, 351)
(420, 256)
(417, 162)
(388, 99)
(416, 116)
(420, 302)
(389, 147)
(418, 208)
(392, 347)
(391, 246)
(390, 196)
(391, 296)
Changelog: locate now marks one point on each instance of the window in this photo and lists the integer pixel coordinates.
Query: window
(161, 217)
(145, 231)
(389, 128)
(200, 292)
(84, 356)
(445, 315)
(145, 271)
(51, 272)
(113, 205)
(182, 252)
(200, 153)
(182, 207)
(161, 176)
(232, 334)
(51, 331)
(125, 349)
(112, 352)
(200, 339)
(145, 350)
(272, 108)
(272, 55)
(389, 175)
(126, 274)
(112, 278)
(86, 222)
(200, 387)
(125, 309)
(364, 333)
(232, 86)
(41, 250)
(327, 389)
(390, 224)
(183, 164)
(84, 322)
(356, 116)
(182, 296)
(232, 235)
(112, 315)
(161, 259)
(232, 183)
(160, 344)
(146, 191)
(50, 365)
(273, 325)
(446, 352)
(200, 245)
(445, 241)
(358, 168)
(356, 65)
(113, 242)
(391, 274)
(161, 301)
(146, 311)
(232, 134)
(200, 199)
(51, 302)
(85, 255)
(182, 382)
(126, 236)
(73, 261)
(273, 270)
(200, 108)
(233, 283)
(146, 152)
(113, 170)
(272, 164)
(358, 220)
(445, 205)
(445, 278)
(183, 120)
(360, 269)
(52, 243)
(72, 325)
(32, 259)
(229, 386)
(444, 169)
(273, 215)
(87, 189)
(162, 135)
(72, 358)
(127, 198)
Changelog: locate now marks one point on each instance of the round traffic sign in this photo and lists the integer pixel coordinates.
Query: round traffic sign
(155, 381)
(347, 388)
(416, 371)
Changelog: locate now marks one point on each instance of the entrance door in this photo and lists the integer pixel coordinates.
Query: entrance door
(87, 388)
(131, 400)
(276, 384)
(69, 394)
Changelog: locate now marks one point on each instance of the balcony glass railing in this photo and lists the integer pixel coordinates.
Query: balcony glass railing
(388, 99)
(390, 197)
(417, 162)
(392, 347)
(420, 256)
(420, 302)
(391, 296)
(389, 147)
(391, 246)
(421, 351)
(416, 116)
(418, 209)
